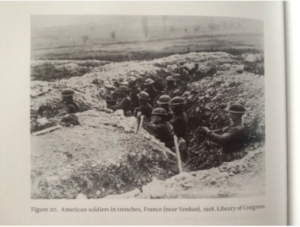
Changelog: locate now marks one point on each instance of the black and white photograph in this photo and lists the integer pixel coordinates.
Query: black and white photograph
(146, 107)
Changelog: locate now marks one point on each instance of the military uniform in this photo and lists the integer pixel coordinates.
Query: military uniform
(232, 140)
(170, 115)
(152, 94)
(194, 73)
(150, 90)
(180, 123)
(125, 105)
(161, 130)
(134, 97)
(170, 83)
(70, 107)
(163, 101)
(145, 109)
(164, 132)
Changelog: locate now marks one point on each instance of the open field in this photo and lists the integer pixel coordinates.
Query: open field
(137, 38)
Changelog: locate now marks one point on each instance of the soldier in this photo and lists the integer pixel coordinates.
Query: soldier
(125, 103)
(135, 90)
(149, 88)
(180, 123)
(163, 102)
(70, 105)
(145, 108)
(170, 84)
(194, 72)
(160, 128)
(232, 138)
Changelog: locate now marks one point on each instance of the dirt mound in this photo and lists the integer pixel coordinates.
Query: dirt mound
(206, 98)
(207, 103)
(100, 81)
(241, 178)
(46, 97)
(41, 123)
(69, 120)
(100, 156)
(72, 160)
(53, 70)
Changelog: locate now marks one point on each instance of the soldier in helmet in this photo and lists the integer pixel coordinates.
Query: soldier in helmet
(70, 105)
(232, 138)
(194, 73)
(149, 88)
(125, 103)
(163, 102)
(145, 108)
(160, 128)
(135, 90)
(170, 84)
(180, 122)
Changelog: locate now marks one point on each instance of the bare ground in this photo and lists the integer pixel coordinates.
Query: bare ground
(241, 178)
(100, 140)
(64, 162)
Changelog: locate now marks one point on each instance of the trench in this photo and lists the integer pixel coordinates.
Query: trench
(207, 97)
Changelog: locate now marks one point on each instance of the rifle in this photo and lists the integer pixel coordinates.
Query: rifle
(178, 154)
(139, 123)
(46, 130)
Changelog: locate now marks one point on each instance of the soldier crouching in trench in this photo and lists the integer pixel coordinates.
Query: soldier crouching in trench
(163, 102)
(161, 128)
(171, 86)
(125, 103)
(180, 123)
(145, 108)
(135, 90)
(70, 106)
(149, 88)
(232, 139)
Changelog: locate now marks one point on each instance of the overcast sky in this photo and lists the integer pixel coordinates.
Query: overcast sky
(44, 21)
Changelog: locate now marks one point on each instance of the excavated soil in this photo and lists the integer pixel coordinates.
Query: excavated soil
(63, 162)
(102, 156)
(240, 178)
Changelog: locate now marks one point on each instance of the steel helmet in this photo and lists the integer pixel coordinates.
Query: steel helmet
(124, 83)
(164, 99)
(131, 82)
(237, 109)
(170, 78)
(186, 94)
(123, 88)
(159, 111)
(144, 95)
(176, 75)
(149, 81)
(177, 101)
(67, 93)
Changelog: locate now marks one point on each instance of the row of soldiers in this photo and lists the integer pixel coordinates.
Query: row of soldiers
(165, 117)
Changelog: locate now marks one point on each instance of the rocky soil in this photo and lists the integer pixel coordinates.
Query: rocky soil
(241, 178)
(102, 156)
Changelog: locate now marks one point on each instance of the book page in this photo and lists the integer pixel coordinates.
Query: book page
(292, 49)
(143, 113)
